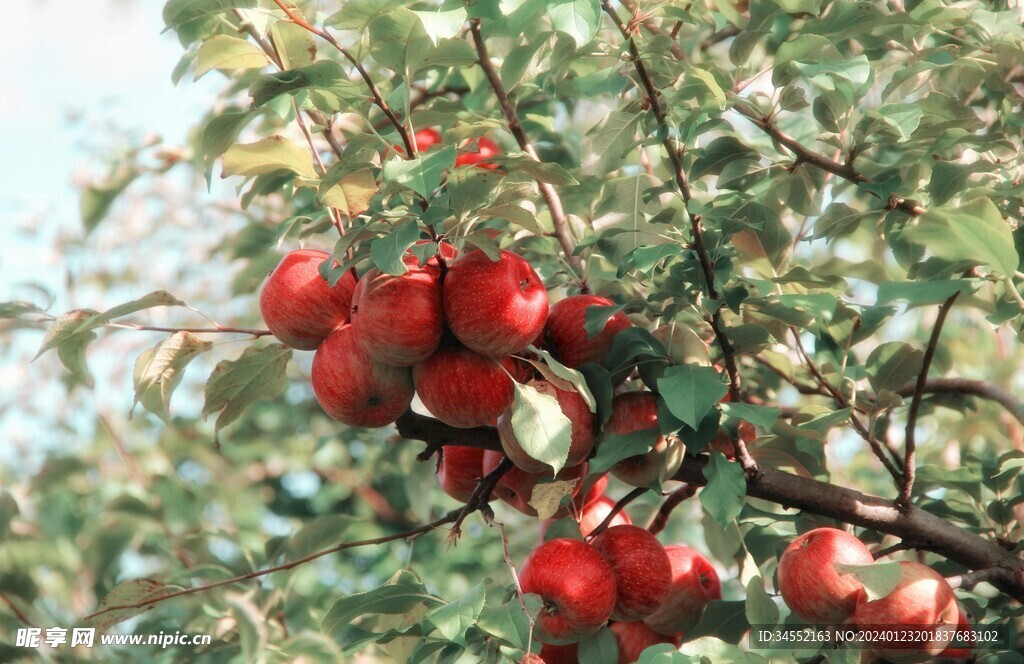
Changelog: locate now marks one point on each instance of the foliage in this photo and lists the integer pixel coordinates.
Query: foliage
(827, 192)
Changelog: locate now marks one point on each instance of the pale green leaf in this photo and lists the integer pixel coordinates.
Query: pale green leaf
(228, 53)
(540, 426)
(158, 370)
(259, 373)
(270, 154)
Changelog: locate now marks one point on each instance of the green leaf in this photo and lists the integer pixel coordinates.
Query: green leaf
(129, 592)
(228, 53)
(387, 251)
(761, 416)
(442, 24)
(219, 134)
(563, 377)
(917, 293)
(949, 179)
(596, 317)
(725, 620)
(8, 510)
(691, 391)
(452, 620)
(506, 622)
(270, 154)
(719, 152)
(97, 198)
(423, 174)
(18, 308)
(891, 365)
(544, 171)
(259, 373)
(577, 18)
(973, 232)
(177, 12)
(470, 189)
(158, 370)
(879, 578)
(402, 594)
(294, 44)
(761, 610)
(540, 426)
(599, 648)
(606, 144)
(318, 534)
(329, 87)
(839, 220)
(726, 489)
(613, 448)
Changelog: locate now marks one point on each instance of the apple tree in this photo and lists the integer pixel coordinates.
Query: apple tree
(595, 331)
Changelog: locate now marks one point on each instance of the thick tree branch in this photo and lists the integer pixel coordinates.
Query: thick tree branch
(930, 532)
(547, 191)
(910, 441)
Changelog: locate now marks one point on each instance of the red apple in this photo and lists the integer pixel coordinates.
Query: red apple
(577, 586)
(462, 388)
(638, 411)
(494, 307)
(952, 652)
(643, 573)
(809, 582)
(297, 304)
(922, 600)
(516, 486)
(552, 654)
(594, 514)
(485, 149)
(354, 389)
(694, 584)
(598, 485)
(459, 470)
(566, 336)
(574, 407)
(398, 320)
(635, 637)
(424, 139)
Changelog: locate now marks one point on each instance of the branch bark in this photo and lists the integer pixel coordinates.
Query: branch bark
(926, 530)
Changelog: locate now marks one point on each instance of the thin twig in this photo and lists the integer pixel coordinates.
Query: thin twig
(699, 245)
(195, 330)
(837, 396)
(547, 191)
(18, 613)
(978, 388)
(515, 579)
(481, 495)
(895, 548)
(910, 444)
(448, 518)
(674, 499)
(627, 499)
(808, 156)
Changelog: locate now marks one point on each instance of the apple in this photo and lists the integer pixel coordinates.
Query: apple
(643, 573)
(485, 149)
(694, 584)
(951, 651)
(552, 654)
(353, 388)
(594, 514)
(922, 600)
(297, 304)
(577, 586)
(462, 388)
(516, 486)
(424, 139)
(809, 582)
(398, 320)
(635, 637)
(532, 658)
(597, 486)
(566, 336)
(574, 407)
(637, 411)
(459, 470)
(494, 307)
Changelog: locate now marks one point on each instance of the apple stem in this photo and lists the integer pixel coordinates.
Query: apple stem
(674, 499)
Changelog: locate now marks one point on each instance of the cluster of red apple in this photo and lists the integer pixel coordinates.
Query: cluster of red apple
(820, 594)
(651, 593)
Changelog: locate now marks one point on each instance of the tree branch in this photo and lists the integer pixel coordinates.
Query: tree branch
(978, 388)
(930, 532)
(806, 155)
(547, 191)
(910, 441)
(220, 329)
(697, 230)
(674, 499)
(448, 518)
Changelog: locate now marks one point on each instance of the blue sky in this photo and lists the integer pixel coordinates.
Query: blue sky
(70, 70)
